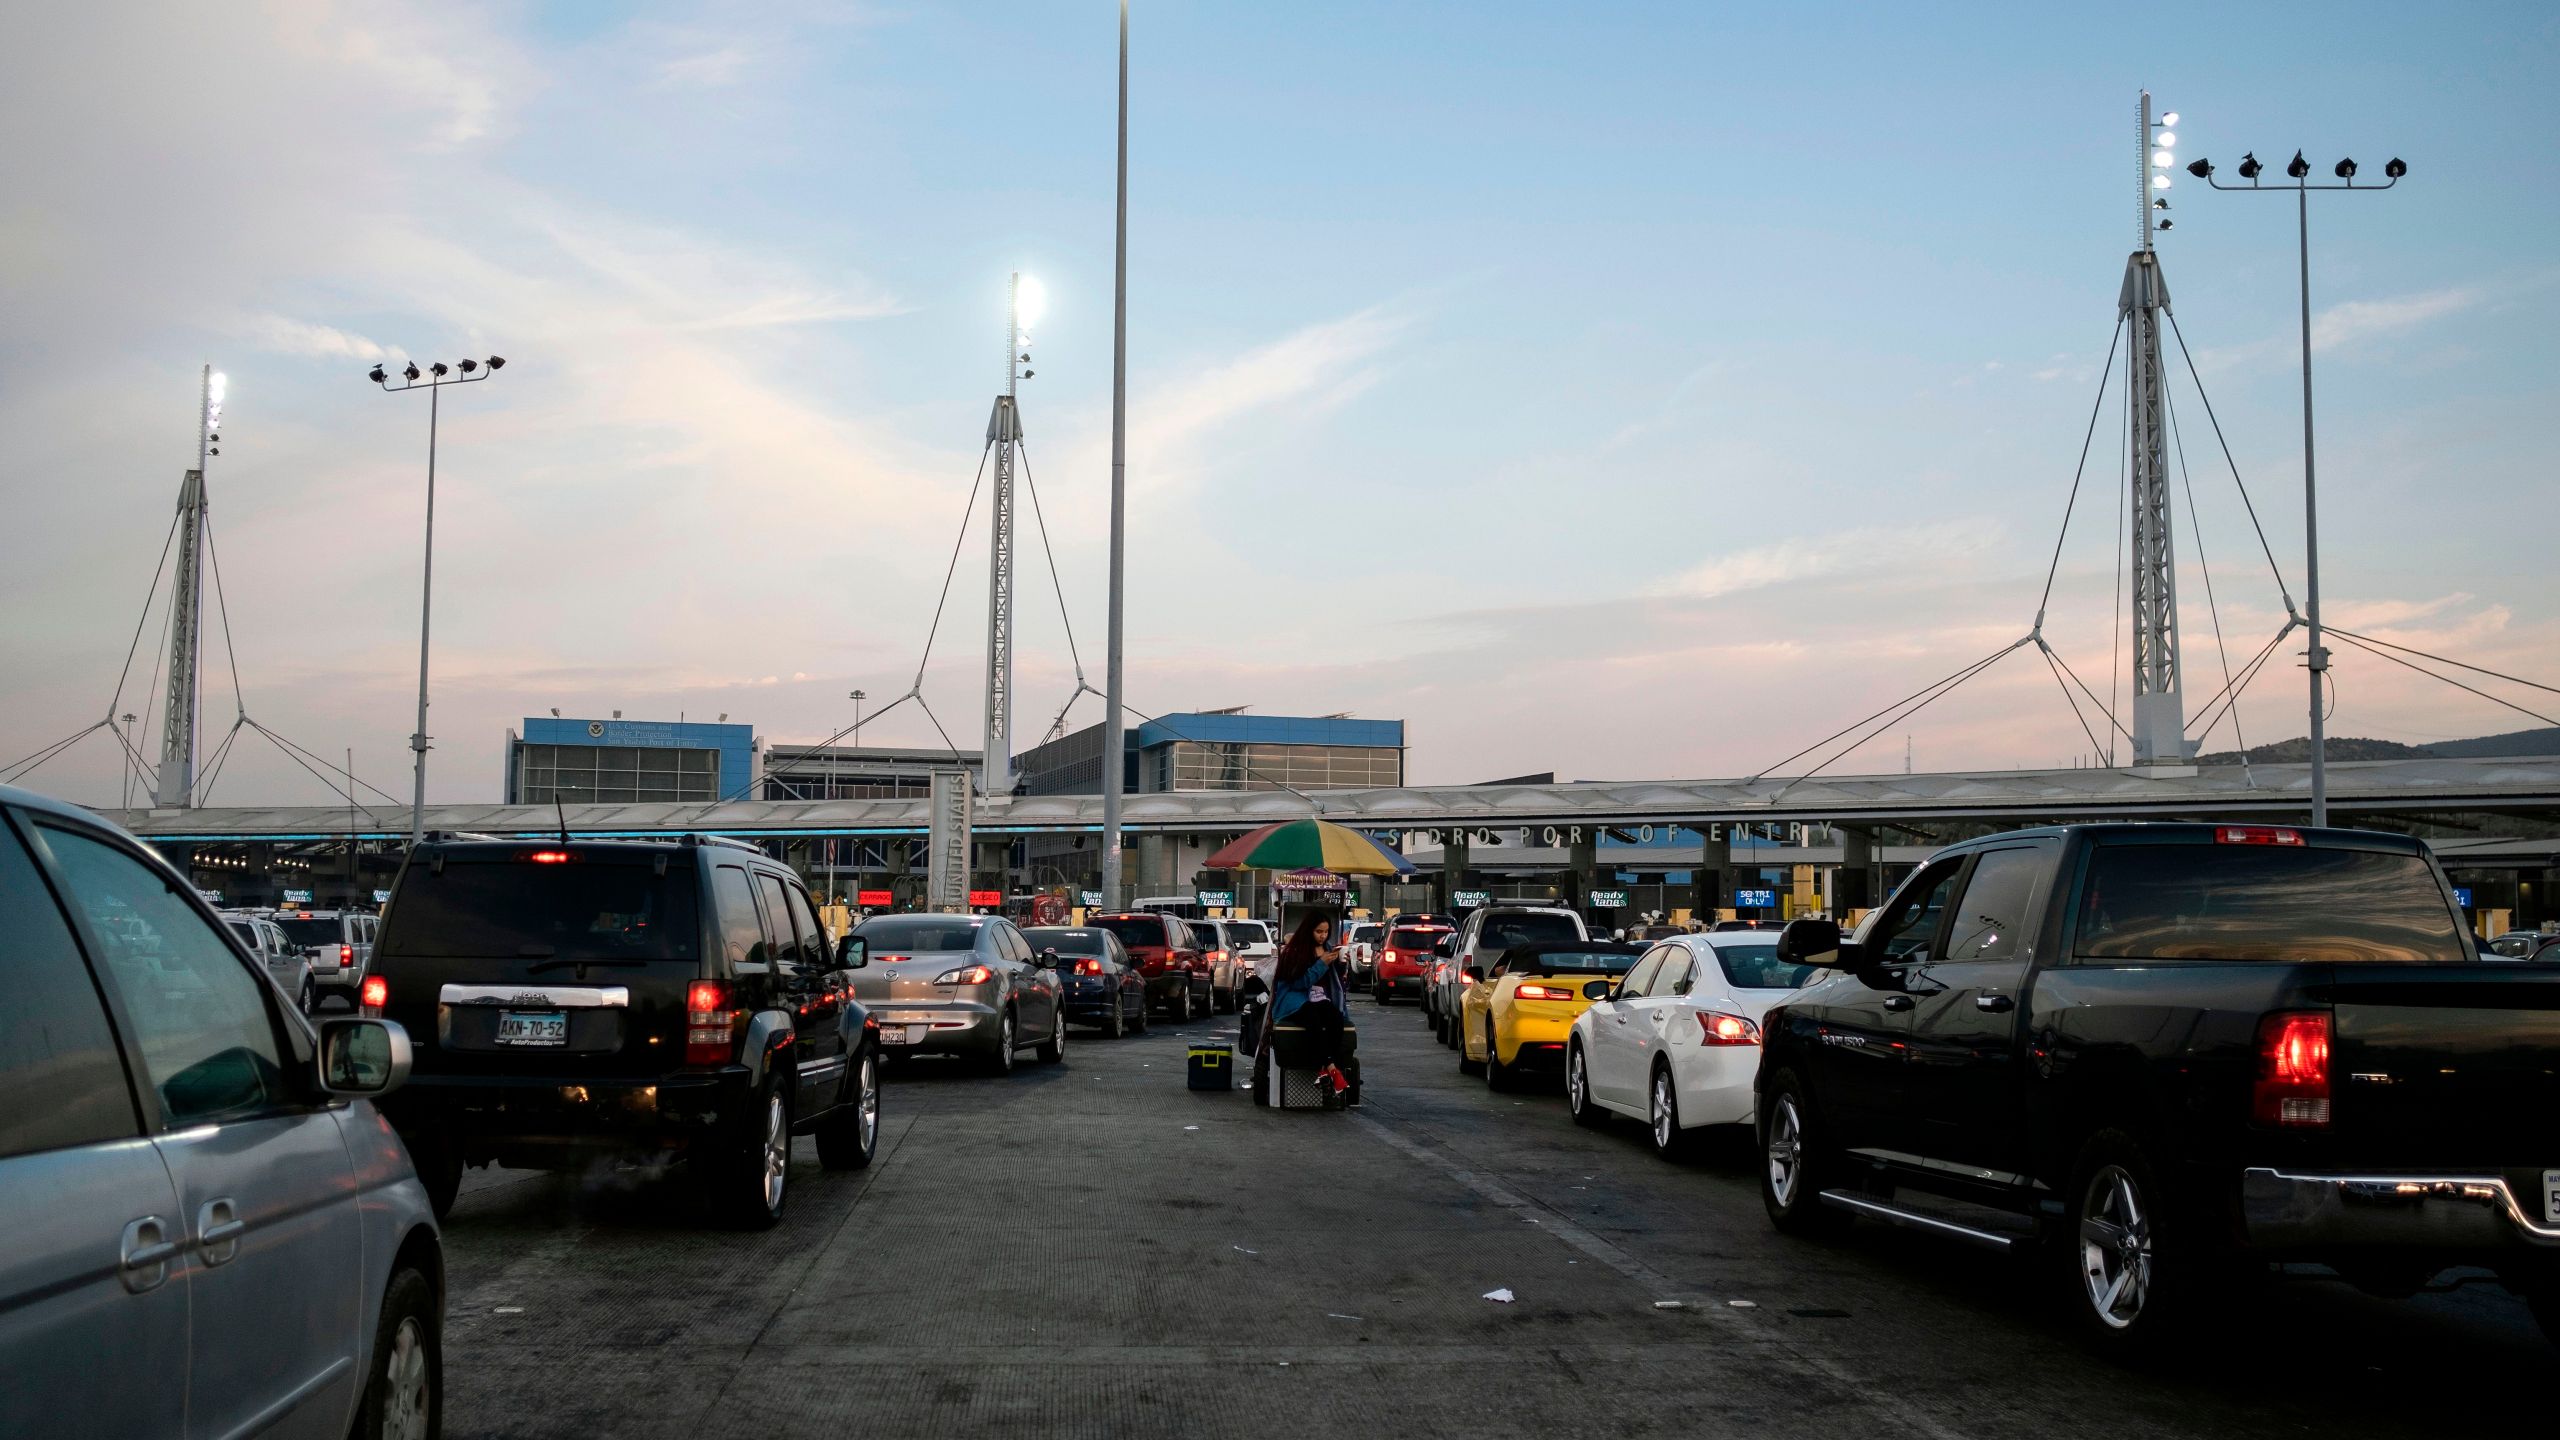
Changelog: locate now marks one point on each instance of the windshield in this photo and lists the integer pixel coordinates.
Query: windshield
(1134, 930)
(1756, 967)
(920, 934)
(2264, 902)
(1575, 962)
(1528, 927)
(1066, 942)
(581, 909)
(1250, 932)
(309, 934)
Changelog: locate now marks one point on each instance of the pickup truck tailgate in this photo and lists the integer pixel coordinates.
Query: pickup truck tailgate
(2455, 1065)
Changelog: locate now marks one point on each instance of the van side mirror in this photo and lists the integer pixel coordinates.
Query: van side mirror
(1445, 946)
(1816, 941)
(853, 954)
(1476, 973)
(1599, 989)
(363, 1057)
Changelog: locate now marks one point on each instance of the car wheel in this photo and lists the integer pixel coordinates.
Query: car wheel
(1117, 1023)
(2131, 1274)
(1497, 1076)
(1577, 1091)
(438, 1162)
(1054, 1049)
(749, 1182)
(1385, 997)
(1662, 1116)
(1001, 1061)
(1139, 1023)
(1466, 1065)
(1794, 1166)
(404, 1394)
(302, 998)
(851, 1135)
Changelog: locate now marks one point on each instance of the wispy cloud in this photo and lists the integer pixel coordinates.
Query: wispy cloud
(288, 336)
(2355, 321)
(1812, 558)
(1318, 366)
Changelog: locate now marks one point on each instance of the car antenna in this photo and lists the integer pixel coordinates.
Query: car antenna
(557, 809)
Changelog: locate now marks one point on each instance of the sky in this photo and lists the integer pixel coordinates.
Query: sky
(1627, 391)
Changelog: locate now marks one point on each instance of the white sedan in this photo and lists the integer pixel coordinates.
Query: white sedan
(1677, 1044)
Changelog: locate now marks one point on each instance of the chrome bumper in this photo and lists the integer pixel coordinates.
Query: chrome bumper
(2362, 1211)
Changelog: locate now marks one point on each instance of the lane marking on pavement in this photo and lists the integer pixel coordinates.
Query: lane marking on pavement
(1779, 1350)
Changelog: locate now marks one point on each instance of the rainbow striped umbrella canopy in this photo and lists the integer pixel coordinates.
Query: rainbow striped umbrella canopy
(1310, 845)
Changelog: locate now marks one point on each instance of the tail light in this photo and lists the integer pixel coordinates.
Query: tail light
(2256, 835)
(965, 975)
(710, 1023)
(547, 857)
(1217, 957)
(2292, 1089)
(1717, 1028)
(1542, 992)
(1088, 967)
(376, 994)
(346, 956)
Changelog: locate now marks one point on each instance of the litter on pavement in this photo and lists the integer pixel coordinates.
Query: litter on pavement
(1500, 1297)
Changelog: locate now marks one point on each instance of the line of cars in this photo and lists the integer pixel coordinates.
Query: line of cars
(315, 955)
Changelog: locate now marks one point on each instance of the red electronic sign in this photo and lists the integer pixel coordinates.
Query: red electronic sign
(868, 898)
(986, 899)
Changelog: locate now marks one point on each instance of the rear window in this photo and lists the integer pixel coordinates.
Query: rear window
(1414, 937)
(1065, 942)
(2263, 902)
(310, 934)
(527, 911)
(920, 933)
(1501, 932)
(1576, 962)
(247, 932)
(1134, 929)
(1757, 967)
(1250, 932)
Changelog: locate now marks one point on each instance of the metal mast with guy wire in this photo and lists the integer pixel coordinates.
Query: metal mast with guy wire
(176, 784)
(2159, 704)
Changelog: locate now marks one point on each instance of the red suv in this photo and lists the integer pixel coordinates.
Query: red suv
(1403, 959)
(1168, 954)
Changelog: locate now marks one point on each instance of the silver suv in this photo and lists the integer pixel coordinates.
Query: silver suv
(339, 942)
(200, 1196)
(1480, 941)
(264, 940)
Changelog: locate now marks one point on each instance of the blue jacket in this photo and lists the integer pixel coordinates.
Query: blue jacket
(1290, 996)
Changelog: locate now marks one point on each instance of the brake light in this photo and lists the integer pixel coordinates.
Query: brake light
(1216, 956)
(710, 1023)
(548, 857)
(965, 975)
(2256, 835)
(1718, 1028)
(1542, 992)
(346, 956)
(2292, 1089)
(377, 992)
(1088, 967)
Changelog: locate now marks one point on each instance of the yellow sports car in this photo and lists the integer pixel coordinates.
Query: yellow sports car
(1517, 1017)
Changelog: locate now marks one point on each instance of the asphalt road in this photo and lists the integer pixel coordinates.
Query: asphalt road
(1092, 1249)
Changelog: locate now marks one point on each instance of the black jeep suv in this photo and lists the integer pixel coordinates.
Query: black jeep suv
(574, 1000)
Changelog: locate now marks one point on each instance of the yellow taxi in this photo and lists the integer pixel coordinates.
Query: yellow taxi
(1517, 1016)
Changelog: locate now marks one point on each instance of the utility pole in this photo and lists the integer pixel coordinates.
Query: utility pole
(177, 779)
(1004, 432)
(2159, 702)
(1112, 735)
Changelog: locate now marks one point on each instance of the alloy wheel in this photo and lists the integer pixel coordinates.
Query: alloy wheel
(2115, 1247)
(406, 1404)
(1786, 1151)
(868, 1098)
(1577, 1085)
(777, 1150)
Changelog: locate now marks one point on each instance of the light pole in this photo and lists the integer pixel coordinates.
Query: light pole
(1112, 693)
(2316, 657)
(129, 718)
(411, 380)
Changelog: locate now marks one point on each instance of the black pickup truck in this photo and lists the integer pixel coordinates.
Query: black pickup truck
(2170, 1054)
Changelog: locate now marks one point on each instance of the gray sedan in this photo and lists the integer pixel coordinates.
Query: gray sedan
(964, 985)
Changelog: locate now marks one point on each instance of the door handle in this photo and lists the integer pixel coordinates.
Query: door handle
(143, 1255)
(1996, 1004)
(218, 1227)
(1898, 1003)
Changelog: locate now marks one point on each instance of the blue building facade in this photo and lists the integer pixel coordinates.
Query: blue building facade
(1225, 751)
(624, 762)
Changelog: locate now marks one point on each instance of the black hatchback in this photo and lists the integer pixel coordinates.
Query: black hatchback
(1098, 983)
(571, 1000)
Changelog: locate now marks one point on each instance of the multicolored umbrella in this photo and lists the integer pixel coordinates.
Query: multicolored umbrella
(1310, 845)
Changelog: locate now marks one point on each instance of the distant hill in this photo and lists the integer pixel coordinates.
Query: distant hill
(2297, 751)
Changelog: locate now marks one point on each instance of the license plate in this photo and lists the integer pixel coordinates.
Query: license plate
(2551, 1197)
(533, 1027)
(893, 1034)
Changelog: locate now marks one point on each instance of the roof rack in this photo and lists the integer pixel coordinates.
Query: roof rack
(698, 837)
(460, 835)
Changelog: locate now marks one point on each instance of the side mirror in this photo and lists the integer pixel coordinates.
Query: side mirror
(1598, 989)
(1046, 959)
(1815, 941)
(1445, 946)
(363, 1057)
(1476, 973)
(853, 954)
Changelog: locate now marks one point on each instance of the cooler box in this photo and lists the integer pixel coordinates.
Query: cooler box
(1212, 1065)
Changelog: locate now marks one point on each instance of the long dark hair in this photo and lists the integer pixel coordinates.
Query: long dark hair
(1299, 955)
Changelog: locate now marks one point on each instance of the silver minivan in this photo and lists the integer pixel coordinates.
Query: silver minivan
(287, 962)
(211, 1229)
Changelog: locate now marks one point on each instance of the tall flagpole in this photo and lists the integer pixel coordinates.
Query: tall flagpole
(1112, 737)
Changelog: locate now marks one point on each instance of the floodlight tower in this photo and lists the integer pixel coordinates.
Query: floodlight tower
(1024, 303)
(2159, 703)
(176, 785)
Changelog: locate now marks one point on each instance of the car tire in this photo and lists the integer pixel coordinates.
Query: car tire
(1497, 1076)
(1385, 997)
(1585, 1110)
(302, 998)
(2133, 1271)
(1662, 1117)
(404, 1388)
(750, 1179)
(1139, 1025)
(1054, 1049)
(1795, 1165)
(1000, 1060)
(438, 1162)
(1467, 1066)
(851, 1134)
(1117, 1024)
